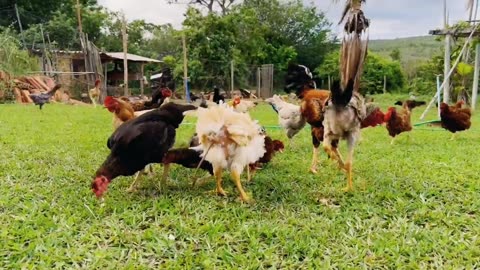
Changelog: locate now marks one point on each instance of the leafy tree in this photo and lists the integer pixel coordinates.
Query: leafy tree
(376, 67)
(210, 5)
(395, 55)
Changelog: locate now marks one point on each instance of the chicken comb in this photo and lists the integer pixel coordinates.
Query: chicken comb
(97, 83)
(109, 102)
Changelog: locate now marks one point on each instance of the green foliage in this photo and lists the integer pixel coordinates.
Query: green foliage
(415, 205)
(375, 68)
(424, 80)
(13, 59)
(464, 69)
(395, 55)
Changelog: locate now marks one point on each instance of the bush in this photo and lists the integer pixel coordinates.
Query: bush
(375, 68)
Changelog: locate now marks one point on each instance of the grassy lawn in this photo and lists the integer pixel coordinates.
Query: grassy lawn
(416, 204)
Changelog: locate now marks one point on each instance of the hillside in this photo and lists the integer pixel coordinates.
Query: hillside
(413, 50)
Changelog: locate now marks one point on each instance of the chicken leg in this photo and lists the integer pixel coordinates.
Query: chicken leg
(163, 180)
(313, 168)
(236, 178)
(133, 185)
(218, 176)
(349, 163)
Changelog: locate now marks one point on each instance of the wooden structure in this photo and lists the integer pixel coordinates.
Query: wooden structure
(69, 69)
(468, 33)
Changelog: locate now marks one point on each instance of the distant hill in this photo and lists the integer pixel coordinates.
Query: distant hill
(413, 50)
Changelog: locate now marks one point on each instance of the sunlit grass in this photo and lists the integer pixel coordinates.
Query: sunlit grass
(415, 204)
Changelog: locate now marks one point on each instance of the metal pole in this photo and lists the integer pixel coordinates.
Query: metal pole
(450, 72)
(447, 64)
(438, 94)
(20, 26)
(476, 73)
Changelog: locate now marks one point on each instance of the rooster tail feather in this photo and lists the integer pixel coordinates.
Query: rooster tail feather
(54, 89)
(342, 97)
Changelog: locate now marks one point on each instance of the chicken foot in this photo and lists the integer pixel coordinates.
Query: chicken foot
(133, 185)
(218, 177)
(236, 178)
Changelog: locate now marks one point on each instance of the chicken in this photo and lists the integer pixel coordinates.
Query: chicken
(240, 105)
(229, 140)
(299, 78)
(375, 116)
(346, 109)
(159, 96)
(94, 93)
(139, 142)
(289, 115)
(455, 118)
(217, 97)
(188, 158)
(271, 147)
(42, 98)
(122, 110)
(400, 121)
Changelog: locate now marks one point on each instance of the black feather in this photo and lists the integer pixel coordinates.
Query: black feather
(342, 97)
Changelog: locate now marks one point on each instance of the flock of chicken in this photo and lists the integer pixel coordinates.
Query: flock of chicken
(227, 138)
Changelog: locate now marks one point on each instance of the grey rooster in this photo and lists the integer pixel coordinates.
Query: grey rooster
(42, 98)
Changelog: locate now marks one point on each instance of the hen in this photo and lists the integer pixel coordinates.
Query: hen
(94, 93)
(289, 115)
(122, 110)
(400, 121)
(229, 140)
(455, 118)
(188, 158)
(42, 98)
(139, 142)
(375, 116)
(299, 78)
(271, 147)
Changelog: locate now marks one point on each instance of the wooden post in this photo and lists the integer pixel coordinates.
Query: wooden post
(141, 79)
(329, 83)
(185, 68)
(79, 16)
(447, 64)
(476, 73)
(384, 84)
(259, 82)
(231, 76)
(20, 26)
(125, 59)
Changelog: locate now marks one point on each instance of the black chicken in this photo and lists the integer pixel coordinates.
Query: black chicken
(42, 98)
(139, 142)
(217, 97)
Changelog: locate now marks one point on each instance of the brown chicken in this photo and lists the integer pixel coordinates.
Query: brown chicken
(400, 121)
(271, 147)
(455, 118)
(122, 110)
(299, 78)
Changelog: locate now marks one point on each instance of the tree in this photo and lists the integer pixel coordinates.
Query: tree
(223, 5)
(376, 67)
(395, 55)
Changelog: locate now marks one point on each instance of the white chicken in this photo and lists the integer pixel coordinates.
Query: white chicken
(289, 116)
(229, 140)
(241, 105)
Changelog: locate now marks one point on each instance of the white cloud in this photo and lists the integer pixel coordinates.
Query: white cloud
(390, 18)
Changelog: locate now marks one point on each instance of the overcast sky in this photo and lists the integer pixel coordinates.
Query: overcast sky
(389, 18)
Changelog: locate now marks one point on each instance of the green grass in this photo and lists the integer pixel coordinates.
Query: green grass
(416, 204)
